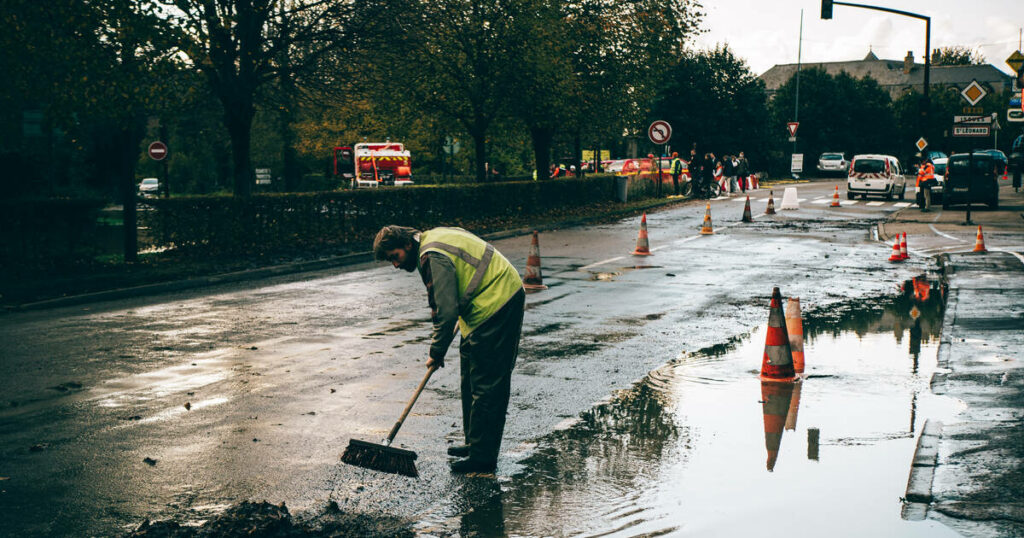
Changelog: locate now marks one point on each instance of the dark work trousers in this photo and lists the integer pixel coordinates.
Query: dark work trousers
(675, 182)
(486, 359)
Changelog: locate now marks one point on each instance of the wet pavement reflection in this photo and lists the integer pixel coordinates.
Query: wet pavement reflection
(702, 447)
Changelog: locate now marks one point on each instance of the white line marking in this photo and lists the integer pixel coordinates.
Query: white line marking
(875, 203)
(901, 204)
(849, 202)
(821, 201)
(947, 236)
(602, 262)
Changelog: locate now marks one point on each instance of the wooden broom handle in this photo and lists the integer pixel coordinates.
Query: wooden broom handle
(408, 407)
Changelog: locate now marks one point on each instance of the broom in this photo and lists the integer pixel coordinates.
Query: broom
(383, 457)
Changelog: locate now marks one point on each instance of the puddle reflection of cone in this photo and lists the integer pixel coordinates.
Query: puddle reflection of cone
(706, 228)
(642, 246)
(897, 256)
(903, 247)
(777, 362)
(835, 198)
(746, 211)
(813, 436)
(775, 404)
(795, 330)
(770, 210)
(794, 407)
(532, 278)
(979, 244)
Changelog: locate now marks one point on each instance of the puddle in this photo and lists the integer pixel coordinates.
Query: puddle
(702, 447)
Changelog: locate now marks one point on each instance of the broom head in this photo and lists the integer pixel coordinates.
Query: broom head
(380, 458)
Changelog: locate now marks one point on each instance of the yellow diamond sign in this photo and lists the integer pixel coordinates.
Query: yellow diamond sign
(1015, 61)
(973, 92)
(921, 144)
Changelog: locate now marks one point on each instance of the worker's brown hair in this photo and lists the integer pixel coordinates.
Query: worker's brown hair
(392, 237)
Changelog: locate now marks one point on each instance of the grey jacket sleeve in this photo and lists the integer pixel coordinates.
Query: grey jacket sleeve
(438, 274)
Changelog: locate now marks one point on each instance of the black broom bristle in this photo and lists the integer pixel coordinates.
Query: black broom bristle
(380, 458)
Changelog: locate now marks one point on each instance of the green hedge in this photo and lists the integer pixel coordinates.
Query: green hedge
(47, 235)
(275, 222)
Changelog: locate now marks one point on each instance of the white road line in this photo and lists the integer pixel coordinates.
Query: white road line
(602, 262)
(821, 201)
(848, 202)
(875, 203)
(947, 236)
(901, 204)
(1018, 256)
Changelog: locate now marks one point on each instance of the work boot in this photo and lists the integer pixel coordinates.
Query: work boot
(470, 465)
(459, 451)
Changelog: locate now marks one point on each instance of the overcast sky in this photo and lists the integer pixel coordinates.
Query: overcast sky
(766, 32)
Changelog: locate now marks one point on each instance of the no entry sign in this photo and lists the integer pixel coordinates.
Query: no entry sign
(659, 132)
(157, 151)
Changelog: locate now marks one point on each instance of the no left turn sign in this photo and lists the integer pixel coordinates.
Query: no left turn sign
(659, 132)
(157, 151)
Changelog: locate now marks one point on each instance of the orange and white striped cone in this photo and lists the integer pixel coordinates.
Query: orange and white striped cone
(897, 256)
(775, 404)
(706, 228)
(754, 182)
(777, 362)
(903, 247)
(643, 248)
(794, 407)
(532, 278)
(746, 211)
(770, 210)
(835, 198)
(795, 330)
(979, 243)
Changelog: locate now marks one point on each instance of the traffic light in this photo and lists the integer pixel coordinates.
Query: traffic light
(826, 9)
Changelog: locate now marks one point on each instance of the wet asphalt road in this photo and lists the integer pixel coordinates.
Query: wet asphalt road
(179, 405)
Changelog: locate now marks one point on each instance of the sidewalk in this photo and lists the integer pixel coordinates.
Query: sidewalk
(969, 473)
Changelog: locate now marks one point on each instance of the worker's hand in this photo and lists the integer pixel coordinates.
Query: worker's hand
(432, 362)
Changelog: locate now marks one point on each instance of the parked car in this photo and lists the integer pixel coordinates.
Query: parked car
(940, 178)
(149, 186)
(879, 175)
(832, 163)
(964, 183)
(1002, 163)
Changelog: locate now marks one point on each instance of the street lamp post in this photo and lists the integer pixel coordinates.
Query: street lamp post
(826, 13)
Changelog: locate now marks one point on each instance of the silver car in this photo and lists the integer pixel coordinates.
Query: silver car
(832, 163)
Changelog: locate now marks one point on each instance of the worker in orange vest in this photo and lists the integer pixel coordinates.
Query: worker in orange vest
(925, 181)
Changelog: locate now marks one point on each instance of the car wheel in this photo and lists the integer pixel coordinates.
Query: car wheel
(903, 192)
(945, 204)
(849, 195)
(993, 204)
(888, 194)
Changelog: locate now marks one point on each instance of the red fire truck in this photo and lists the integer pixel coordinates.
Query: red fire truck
(373, 164)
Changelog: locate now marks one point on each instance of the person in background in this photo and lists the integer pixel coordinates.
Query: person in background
(742, 170)
(676, 168)
(925, 181)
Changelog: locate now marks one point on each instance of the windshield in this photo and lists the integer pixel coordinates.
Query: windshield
(940, 169)
(831, 157)
(869, 166)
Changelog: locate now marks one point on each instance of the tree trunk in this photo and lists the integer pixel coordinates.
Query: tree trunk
(238, 119)
(127, 151)
(577, 151)
(542, 150)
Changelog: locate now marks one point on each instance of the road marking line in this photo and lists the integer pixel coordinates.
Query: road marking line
(901, 204)
(849, 202)
(821, 201)
(602, 262)
(875, 203)
(947, 236)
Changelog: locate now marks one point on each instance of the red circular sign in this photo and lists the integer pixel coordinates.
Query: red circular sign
(157, 151)
(659, 132)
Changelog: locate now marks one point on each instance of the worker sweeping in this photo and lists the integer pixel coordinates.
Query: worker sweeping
(470, 284)
(925, 182)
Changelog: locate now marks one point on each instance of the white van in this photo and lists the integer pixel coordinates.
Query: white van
(879, 175)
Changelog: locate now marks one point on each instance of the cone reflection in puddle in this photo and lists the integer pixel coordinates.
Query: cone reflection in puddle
(775, 400)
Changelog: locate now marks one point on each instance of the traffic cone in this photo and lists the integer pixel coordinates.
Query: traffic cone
(775, 403)
(706, 228)
(777, 362)
(532, 279)
(979, 244)
(754, 182)
(794, 407)
(835, 198)
(903, 247)
(770, 210)
(746, 211)
(795, 330)
(642, 246)
(897, 256)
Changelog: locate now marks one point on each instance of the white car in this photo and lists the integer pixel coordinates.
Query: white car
(879, 175)
(150, 186)
(832, 163)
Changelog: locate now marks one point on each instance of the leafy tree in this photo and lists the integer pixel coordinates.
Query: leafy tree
(713, 100)
(242, 46)
(957, 55)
